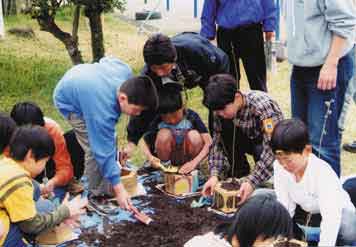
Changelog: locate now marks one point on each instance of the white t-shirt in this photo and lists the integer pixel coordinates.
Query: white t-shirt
(319, 191)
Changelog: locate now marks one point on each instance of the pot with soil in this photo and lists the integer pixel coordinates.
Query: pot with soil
(225, 197)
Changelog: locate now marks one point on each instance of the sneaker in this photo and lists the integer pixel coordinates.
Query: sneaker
(350, 147)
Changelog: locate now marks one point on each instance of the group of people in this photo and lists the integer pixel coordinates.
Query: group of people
(302, 154)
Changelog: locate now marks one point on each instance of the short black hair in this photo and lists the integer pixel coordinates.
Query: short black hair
(34, 138)
(141, 91)
(220, 91)
(170, 100)
(290, 135)
(159, 50)
(7, 128)
(27, 113)
(261, 216)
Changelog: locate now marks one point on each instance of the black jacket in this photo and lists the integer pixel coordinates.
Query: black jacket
(197, 60)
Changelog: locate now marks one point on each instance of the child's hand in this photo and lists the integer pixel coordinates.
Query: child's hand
(187, 167)
(208, 188)
(76, 206)
(47, 188)
(154, 161)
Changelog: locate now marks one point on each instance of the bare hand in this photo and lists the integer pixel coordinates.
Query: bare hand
(187, 167)
(269, 36)
(327, 77)
(154, 161)
(76, 206)
(72, 222)
(126, 153)
(122, 197)
(208, 188)
(245, 191)
(47, 188)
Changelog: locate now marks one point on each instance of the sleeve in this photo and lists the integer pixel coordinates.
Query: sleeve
(216, 157)
(280, 183)
(208, 17)
(19, 202)
(269, 115)
(341, 17)
(197, 122)
(270, 15)
(64, 167)
(330, 210)
(101, 134)
(42, 222)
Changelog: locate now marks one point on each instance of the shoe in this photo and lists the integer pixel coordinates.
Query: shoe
(350, 147)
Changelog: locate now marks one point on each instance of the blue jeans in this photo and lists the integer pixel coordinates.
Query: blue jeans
(309, 104)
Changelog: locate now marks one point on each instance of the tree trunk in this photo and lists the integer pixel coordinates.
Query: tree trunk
(48, 24)
(76, 23)
(9, 7)
(97, 37)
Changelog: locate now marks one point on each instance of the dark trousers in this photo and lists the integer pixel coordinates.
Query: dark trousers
(245, 43)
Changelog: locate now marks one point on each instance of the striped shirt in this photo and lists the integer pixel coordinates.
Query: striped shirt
(255, 119)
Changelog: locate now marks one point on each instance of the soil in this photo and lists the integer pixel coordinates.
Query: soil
(174, 223)
(229, 186)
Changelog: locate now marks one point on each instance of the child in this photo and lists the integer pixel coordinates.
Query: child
(181, 136)
(301, 178)
(59, 170)
(30, 149)
(7, 127)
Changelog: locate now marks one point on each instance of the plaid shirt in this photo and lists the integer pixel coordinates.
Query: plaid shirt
(256, 118)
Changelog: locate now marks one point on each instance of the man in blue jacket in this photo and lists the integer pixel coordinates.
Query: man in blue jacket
(241, 25)
(92, 97)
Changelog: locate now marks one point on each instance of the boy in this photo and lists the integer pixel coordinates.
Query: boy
(7, 128)
(253, 116)
(59, 170)
(186, 59)
(30, 149)
(301, 178)
(181, 137)
(92, 97)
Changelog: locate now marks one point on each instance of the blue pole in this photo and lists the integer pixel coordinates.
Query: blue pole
(195, 8)
(278, 20)
(167, 5)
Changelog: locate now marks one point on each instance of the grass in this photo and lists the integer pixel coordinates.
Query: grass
(30, 69)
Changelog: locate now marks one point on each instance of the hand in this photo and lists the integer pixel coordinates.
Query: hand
(76, 206)
(47, 188)
(187, 167)
(122, 197)
(208, 188)
(269, 36)
(126, 153)
(245, 191)
(327, 76)
(72, 222)
(154, 161)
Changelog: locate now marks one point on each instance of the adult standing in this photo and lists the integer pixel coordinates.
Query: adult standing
(320, 36)
(241, 25)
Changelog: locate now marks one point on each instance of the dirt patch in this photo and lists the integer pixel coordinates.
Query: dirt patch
(174, 223)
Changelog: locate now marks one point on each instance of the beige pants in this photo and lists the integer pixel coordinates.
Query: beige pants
(97, 184)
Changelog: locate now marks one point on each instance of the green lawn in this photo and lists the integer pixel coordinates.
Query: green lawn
(30, 68)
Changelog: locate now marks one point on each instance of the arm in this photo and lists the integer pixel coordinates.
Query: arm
(208, 18)
(146, 151)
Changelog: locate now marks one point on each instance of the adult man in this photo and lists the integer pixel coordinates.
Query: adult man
(253, 115)
(92, 97)
(320, 36)
(187, 60)
(241, 25)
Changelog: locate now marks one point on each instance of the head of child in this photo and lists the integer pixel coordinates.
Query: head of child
(291, 146)
(7, 128)
(137, 94)
(159, 54)
(222, 96)
(171, 107)
(259, 221)
(31, 147)
(27, 113)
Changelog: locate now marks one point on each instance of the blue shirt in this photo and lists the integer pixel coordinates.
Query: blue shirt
(235, 13)
(90, 92)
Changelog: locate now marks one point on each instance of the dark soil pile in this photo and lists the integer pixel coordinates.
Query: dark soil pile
(174, 223)
(233, 185)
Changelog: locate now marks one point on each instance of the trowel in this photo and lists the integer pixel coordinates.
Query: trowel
(142, 217)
